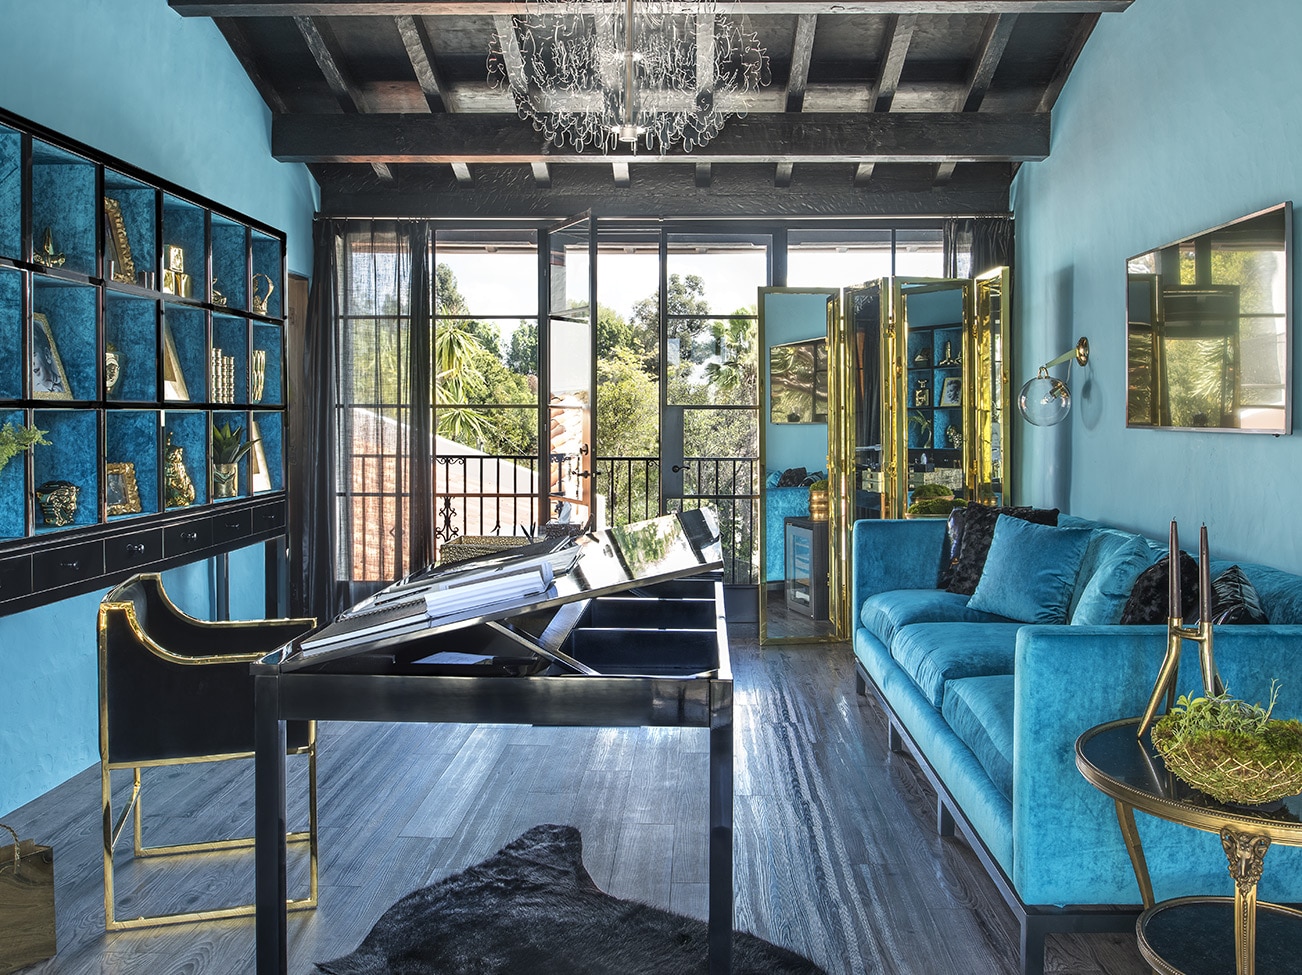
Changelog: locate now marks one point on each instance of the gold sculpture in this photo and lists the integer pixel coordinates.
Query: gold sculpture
(58, 501)
(258, 375)
(122, 267)
(179, 492)
(1176, 632)
(46, 253)
(218, 298)
(260, 301)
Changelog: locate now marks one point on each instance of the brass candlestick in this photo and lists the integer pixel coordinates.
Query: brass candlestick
(1177, 632)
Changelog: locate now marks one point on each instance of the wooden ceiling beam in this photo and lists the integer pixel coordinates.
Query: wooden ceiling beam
(990, 49)
(802, 51)
(481, 8)
(243, 51)
(757, 138)
(420, 52)
(1084, 28)
(321, 42)
(899, 35)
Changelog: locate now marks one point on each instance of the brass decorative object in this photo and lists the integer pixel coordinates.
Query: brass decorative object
(1045, 400)
(175, 258)
(949, 358)
(174, 387)
(58, 502)
(47, 254)
(258, 375)
(953, 437)
(49, 381)
(225, 480)
(218, 298)
(178, 488)
(112, 368)
(117, 248)
(177, 283)
(222, 376)
(921, 393)
(120, 490)
(260, 301)
(1176, 632)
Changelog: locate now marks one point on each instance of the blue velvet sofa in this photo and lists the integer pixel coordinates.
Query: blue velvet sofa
(780, 503)
(992, 708)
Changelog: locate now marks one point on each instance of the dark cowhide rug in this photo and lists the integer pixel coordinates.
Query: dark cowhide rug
(532, 909)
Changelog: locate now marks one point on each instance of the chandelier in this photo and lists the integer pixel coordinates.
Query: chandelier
(604, 72)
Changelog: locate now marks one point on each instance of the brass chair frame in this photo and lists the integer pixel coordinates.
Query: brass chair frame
(265, 636)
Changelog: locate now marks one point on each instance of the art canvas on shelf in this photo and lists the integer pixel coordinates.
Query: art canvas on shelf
(49, 381)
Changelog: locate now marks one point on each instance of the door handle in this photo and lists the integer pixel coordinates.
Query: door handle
(676, 469)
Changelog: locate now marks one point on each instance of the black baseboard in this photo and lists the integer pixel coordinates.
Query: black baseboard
(1034, 920)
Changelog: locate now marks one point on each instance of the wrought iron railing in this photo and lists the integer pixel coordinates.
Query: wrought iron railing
(486, 495)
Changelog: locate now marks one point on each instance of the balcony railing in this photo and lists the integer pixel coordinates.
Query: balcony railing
(485, 495)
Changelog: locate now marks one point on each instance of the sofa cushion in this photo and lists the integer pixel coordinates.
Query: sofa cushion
(1108, 588)
(1280, 591)
(1235, 600)
(1030, 571)
(979, 710)
(1149, 600)
(933, 653)
(978, 531)
(884, 613)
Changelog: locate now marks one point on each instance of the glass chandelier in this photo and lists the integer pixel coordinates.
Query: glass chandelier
(604, 72)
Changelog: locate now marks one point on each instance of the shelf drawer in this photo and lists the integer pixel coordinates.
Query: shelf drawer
(133, 550)
(15, 577)
(230, 526)
(68, 564)
(269, 517)
(193, 536)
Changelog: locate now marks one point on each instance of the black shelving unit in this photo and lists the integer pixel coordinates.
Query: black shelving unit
(134, 316)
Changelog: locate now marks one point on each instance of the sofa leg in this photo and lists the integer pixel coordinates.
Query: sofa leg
(1033, 931)
(894, 741)
(860, 685)
(944, 820)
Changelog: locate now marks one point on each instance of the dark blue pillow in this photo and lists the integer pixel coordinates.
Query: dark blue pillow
(1235, 599)
(978, 530)
(1030, 571)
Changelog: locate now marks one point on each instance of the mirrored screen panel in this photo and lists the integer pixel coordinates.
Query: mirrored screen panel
(798, 382)
(1209, 329)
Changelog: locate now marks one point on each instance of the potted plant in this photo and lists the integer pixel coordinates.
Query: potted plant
(818, 500)
(1234, 751)
(932, 501)
(14, 440)
(228, 449)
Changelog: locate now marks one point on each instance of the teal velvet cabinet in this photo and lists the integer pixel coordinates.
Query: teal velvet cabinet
(135, 318)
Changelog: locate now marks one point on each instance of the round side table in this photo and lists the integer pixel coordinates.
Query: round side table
(1197, 935)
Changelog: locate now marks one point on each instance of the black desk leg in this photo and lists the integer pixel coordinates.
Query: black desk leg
(720, 924)
(269, 828)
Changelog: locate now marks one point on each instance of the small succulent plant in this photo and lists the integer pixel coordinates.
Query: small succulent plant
(228, 446)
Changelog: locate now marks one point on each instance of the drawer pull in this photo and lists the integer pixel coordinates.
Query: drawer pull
(234, 525)
(189, 536)
(135, 548)
(73, 566)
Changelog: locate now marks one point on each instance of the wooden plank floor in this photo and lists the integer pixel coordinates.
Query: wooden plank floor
(835, 848)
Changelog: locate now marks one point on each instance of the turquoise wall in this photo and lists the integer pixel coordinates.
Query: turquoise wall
(160, 91)
(1180, 115)
(132, 79)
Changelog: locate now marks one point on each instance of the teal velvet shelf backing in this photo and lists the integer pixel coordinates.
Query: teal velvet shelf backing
(138, 205)
(11, 193)
(131, 437)
(270, 429)
(185, 353)
(71, 312)
(231, 336)
(72, 456)
(131, 329)
(267, 340)
(13, 504)
(63, 201)
(266, 260)
(11, 332)
(230, 261)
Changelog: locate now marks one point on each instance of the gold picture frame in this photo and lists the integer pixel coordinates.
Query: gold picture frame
(259, 473)
(951, 392)
(120, 489)
(49, 381)
(174, 387)
(117, 248)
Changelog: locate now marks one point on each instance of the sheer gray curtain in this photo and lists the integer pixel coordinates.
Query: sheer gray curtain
(974, 245)
(366, 471)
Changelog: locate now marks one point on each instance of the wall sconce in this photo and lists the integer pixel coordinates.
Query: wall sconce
(1044, 400)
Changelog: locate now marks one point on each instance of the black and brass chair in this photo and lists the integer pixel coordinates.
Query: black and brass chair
(175, 690)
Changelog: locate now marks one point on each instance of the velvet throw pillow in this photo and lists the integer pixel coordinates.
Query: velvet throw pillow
(1235, 601)
(1105, 595)
(978, 530)
(1149, 600)
(792, 477)
(1030, 571)
(949, 548)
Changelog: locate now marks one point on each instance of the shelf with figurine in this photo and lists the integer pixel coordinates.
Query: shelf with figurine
(137, 321)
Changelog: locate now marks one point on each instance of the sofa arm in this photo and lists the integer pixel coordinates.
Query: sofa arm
(1067, 846)
(895, 554)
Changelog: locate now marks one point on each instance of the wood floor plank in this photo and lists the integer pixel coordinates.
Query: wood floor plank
(835, 849)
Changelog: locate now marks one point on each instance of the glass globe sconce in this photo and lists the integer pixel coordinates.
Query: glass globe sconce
(1044, 400)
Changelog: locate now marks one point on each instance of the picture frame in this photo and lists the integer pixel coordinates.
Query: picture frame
(951, 391)
(174, 387)
(120, 489)
(259, 472)
(117, 248)
(49, 381)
